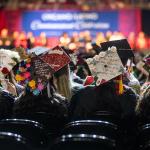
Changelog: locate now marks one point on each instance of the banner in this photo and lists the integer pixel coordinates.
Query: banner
(54, 23)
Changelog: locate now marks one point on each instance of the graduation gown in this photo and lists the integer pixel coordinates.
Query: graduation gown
(103, 98)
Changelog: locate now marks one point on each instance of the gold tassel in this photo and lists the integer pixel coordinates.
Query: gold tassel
(121, 90)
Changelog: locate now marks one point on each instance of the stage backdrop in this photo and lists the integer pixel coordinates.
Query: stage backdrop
(54, 23)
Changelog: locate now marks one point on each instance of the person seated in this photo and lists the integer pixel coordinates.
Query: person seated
(102, 98)
(29, 104)
(143, 106)
(39, 96)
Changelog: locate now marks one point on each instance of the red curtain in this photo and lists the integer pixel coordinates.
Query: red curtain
(3, 21)
(10, 19)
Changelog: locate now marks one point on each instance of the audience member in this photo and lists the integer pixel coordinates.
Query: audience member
(65, 39)
(132, 39)
(141, 41)
(41, 40)
(76, 41)
(143, 106)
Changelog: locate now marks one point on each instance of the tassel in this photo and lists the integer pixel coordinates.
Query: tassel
(121, 90)
(119, 85)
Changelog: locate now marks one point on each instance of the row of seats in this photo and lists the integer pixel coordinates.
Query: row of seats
(38, 131)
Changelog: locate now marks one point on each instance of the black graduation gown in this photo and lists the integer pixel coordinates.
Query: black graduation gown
(56, 105)
(103, 98)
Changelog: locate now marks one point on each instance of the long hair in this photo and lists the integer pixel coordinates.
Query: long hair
(143, 106)
(62, 82)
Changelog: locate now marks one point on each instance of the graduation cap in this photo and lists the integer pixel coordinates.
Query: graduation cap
(123, 49)
(8, 59)
(125, 54)
(56, 58)
(33, 74)
(105, 66)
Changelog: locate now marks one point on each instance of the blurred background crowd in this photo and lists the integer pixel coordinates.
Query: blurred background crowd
(139, 42)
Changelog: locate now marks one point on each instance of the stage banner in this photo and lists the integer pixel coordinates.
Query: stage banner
(54, 23)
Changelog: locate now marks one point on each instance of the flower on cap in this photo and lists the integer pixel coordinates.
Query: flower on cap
(36, 92)
(102, 54)
(89, 60)
(28, 65)
(27, 75)
(89, 80)
(32, 84)
(40, 86)
(19, 77)
(113, 49)
(96, 57)
(5, 70)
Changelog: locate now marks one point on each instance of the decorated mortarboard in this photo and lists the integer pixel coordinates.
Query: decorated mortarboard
(38, 50)
(22, 72)
(105, 66)
(33, 73)
(8, 59)
(123, 49)
(56, 58)
(25, 76)
(41, 69)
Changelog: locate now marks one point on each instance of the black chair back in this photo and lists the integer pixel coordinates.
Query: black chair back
(143, 139)
(31, 130)
(12, 141)
(91, 127)
(83, 142)
(51, 122)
